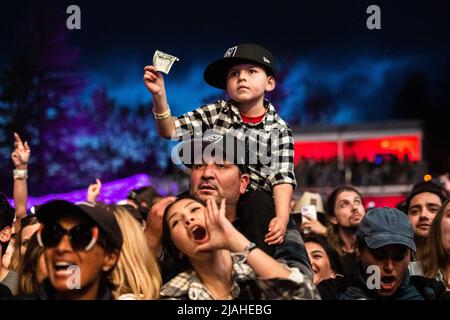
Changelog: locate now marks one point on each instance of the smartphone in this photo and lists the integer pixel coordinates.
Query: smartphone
(309, 212)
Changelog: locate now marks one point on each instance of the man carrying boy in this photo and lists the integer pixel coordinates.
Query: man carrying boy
(247, 72)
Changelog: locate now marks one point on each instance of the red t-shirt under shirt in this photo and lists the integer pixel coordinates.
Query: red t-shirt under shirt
(253, 120)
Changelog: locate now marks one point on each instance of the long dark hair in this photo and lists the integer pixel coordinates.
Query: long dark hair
(172, 257)
(437, 257)
(333, 230)
(28, 283)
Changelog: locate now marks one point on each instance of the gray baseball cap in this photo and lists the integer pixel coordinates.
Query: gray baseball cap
(384, 226)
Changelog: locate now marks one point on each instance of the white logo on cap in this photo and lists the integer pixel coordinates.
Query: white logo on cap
(266, 60)
(230, 52)
(214, 138)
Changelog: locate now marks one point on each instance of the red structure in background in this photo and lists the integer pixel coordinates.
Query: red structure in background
(371, 141)
(368, 148)
(383, 201)
(359, 141)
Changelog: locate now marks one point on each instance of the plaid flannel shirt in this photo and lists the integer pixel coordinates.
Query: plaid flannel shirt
(272, 136)
(246, 286)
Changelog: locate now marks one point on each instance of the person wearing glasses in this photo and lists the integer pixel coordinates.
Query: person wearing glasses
(82, 243)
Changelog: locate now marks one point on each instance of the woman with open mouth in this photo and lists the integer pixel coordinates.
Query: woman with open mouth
(82, 243)
(220, 263)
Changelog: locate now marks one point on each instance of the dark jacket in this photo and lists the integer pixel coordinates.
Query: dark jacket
(353, 287)
(5, 292)
(292, 251)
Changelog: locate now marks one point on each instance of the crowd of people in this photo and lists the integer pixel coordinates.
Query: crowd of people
(191, 245)
(384, 171)
(232, 233)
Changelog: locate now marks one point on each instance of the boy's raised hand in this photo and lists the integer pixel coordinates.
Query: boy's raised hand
(154, 81)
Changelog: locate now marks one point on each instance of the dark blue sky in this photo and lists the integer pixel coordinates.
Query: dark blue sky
(324, 47)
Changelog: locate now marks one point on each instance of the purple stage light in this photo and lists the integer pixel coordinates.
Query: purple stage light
(111, 192)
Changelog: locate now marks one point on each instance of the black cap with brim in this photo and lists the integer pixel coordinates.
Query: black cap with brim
(105, 220)
(216, 73)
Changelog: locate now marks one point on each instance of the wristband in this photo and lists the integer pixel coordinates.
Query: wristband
(161, 116)
(20, 174)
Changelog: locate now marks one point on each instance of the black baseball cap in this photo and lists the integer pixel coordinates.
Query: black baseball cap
(211, 145)
(105, 220)
(216, 73)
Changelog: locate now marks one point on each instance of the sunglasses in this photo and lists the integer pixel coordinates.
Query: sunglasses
(81, 236)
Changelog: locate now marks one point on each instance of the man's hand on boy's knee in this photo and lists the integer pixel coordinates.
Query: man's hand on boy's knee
(277, 231)
(154, 81)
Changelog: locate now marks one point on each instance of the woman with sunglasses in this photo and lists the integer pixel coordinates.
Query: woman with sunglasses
(221, 262)
(82, 245)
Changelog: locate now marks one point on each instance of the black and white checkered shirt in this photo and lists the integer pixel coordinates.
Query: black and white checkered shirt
(269, 144)
(246, 286)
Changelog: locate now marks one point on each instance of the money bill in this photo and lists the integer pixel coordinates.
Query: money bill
(163, 61)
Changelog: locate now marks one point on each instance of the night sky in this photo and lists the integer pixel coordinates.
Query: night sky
(323, 47)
